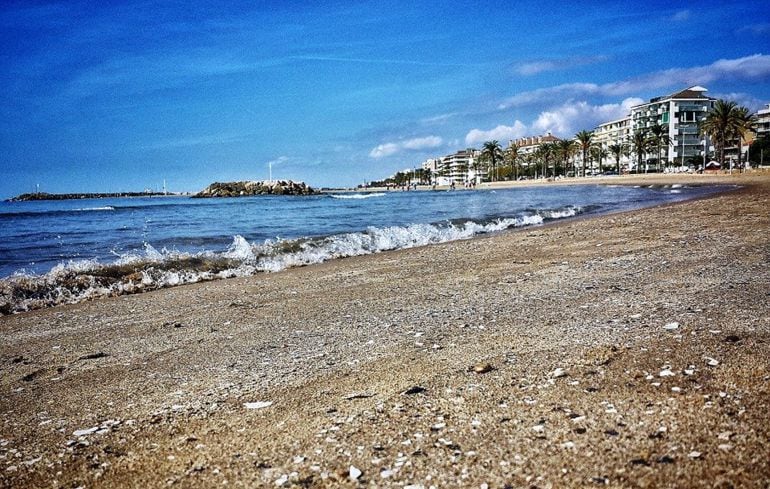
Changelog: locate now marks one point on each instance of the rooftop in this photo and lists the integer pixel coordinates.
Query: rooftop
(691, 92)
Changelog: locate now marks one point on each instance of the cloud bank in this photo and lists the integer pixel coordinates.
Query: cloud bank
(562, 121)
(535, 67)
(499, 133)
(415, 144)
(748, 68)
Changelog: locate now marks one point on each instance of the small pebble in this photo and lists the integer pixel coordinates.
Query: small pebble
(282, 480)
(482, 368)
(354, 473)
(257, 405)
(671, 326)
(86, 431)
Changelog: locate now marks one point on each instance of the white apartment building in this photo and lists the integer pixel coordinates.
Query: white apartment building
(528, 145)
(459, 167)
(680, 112)
(615, 132)
(763, 122)
(431, 164)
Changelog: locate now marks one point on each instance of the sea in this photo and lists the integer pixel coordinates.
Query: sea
(59, 252)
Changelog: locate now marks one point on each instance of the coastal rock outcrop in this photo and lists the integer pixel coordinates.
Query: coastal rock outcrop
(250, 188)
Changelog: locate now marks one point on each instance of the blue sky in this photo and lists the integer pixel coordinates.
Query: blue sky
(101, 96)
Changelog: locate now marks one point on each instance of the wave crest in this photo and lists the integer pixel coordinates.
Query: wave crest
(151, 269)
(357, 196)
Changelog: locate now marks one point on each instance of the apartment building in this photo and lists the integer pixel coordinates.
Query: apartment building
(461, 167)
(680, 112)
(528, 145)
(763, 122)
(615, 132)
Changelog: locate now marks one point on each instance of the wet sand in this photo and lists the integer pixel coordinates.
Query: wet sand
(629, 350)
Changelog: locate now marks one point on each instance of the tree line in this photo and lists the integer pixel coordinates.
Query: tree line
(726, 124)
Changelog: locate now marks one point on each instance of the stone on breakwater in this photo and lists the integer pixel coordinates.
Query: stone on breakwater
(250, 188)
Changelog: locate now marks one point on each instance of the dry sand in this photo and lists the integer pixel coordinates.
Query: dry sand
(630, 350)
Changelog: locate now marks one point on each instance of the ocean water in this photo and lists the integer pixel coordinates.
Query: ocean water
(55, 252)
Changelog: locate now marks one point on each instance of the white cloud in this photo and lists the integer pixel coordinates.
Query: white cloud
(423, 143)
(755, 67)
(415, 144)
(681, 16)
(280, 159)
(749, 101)
(535, 67)
(384, 150)
(571, 117)
(756, 29)
(438, 119)
(499, 133)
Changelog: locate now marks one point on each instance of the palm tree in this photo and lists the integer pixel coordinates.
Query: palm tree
(718, 125)
(617, 151)
(492, 152)
(598, 153)
(566, 149)
(545, 151)
(743, 123)
(512, 153)
(584, 139)
(640, 143)
(658, 137)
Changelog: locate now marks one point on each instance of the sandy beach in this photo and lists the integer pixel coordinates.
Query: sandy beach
(628, 350)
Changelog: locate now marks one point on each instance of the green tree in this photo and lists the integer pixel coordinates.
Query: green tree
(720, 125)
(584, 139)
(512, 155)
(640, 144)
(492, 152)
(598, 154)
(759, 151)
(658, 138)
(566, 149)
(617, 151)
(744, 122)
(544, 153)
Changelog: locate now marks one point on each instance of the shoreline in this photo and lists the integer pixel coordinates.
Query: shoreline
(544, 356)
(632, 179)
(65, 284)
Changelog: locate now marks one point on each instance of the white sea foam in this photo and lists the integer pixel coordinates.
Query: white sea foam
(86, 209)
(357, 196)
(151, 269)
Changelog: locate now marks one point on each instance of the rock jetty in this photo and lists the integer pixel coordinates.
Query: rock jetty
(47, 196)
(250, 188)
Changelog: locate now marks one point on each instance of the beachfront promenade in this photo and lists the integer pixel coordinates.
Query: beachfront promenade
(629, 350)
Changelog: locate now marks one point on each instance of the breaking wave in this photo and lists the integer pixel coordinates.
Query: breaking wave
(357, 196)
(151, 269)
(104, 208)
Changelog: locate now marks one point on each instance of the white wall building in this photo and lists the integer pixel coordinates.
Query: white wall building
(615, 132)
(763, 122)
(680, 112)
(459, 167)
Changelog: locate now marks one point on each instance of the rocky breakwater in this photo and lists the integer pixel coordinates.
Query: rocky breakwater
(250, 188)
